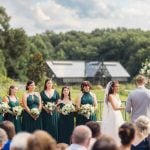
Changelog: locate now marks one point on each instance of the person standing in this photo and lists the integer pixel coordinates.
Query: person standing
(66, 121)
(86, 97)
(31, 120)
(50, 119)
(1, 114)
(138, 101)
(13, 101)
(112, 118)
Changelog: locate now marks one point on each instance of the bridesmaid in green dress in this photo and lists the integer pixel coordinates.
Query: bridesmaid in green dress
(86, 97)
(1, 114)
(31, 99)
(13, 101)
(66, 122)
(50, 119)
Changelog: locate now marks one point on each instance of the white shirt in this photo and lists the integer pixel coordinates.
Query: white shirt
(76, 147)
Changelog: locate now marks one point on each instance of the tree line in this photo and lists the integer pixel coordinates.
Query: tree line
(24, 56)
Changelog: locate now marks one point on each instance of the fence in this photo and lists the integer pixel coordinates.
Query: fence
(100, 110)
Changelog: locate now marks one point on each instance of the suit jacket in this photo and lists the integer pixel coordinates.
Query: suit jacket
(138, 103)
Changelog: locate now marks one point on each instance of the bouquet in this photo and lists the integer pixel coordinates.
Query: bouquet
(4, 107)
(67, 108)
(50, 106)
(35, 112)
(86, 110)
(17, 110)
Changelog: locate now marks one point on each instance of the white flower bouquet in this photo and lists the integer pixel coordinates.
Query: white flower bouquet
(35, 112)
(86, 110)
(67, 108)
(4, 107)
(17, 110)
(50, 106)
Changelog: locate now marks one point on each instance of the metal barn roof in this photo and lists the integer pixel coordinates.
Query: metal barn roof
(67, 68)
(76, 69)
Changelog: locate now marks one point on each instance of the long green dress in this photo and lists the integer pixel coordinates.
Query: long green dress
(15, 120)
(86, 98)
(65, 126)
(50, 122)
(28, 123)
(1, 115)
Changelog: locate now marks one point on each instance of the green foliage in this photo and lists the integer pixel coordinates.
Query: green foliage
(36, 67)
(145, 70)
(4, 19)
(5, 82)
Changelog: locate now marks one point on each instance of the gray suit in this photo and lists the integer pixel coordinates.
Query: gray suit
(138, 103)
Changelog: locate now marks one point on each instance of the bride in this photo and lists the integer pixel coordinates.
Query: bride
(112, 118)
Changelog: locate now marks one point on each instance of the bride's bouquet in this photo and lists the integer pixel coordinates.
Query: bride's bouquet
(35, 112)
(50, 107)
(67, 109)
(4, 107)
(86, 110)
(17, 110)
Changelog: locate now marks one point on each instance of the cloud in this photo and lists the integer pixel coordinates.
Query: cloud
(36, 16)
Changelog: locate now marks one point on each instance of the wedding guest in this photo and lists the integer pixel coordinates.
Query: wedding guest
(105, 143)
(62, 146)
(31, 119)
(126, 134)
(96, 133)
(3, 138)
(19, 141)
(13, 102)
(50, 119)
(81, 137)
(141, 142)
(86, 97)
(41, 140)
(10, 131)
(138, 102)
(66, 121)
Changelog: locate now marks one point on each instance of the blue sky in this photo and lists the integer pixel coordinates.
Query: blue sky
(37, 16)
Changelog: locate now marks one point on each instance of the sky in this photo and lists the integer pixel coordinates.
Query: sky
(37, 16)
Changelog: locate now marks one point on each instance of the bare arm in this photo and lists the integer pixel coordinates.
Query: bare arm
(24, 101)
(113, 104)
(95, 100)
(128, 104)
(79, 101)
(40, 101)
(5, 99)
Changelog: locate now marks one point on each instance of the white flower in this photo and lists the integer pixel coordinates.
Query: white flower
(35, 112)
(4, 107)
(86, 110)
(50, 106)
(17, 110)
(67, 108)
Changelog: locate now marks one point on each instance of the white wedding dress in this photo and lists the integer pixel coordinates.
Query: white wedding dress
(112, 120)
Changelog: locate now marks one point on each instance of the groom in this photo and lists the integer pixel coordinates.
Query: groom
(138, 102)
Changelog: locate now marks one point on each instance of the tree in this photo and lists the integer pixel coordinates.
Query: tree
(145, 70)
(36, 67)
(4, 20)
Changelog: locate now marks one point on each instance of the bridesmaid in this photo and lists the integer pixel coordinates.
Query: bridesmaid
(31, 99)
(66, 122)
(1, 114)
(86, 97)
(50, 120)
(13, 101)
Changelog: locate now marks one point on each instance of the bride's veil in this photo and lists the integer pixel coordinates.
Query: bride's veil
(105, 106)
